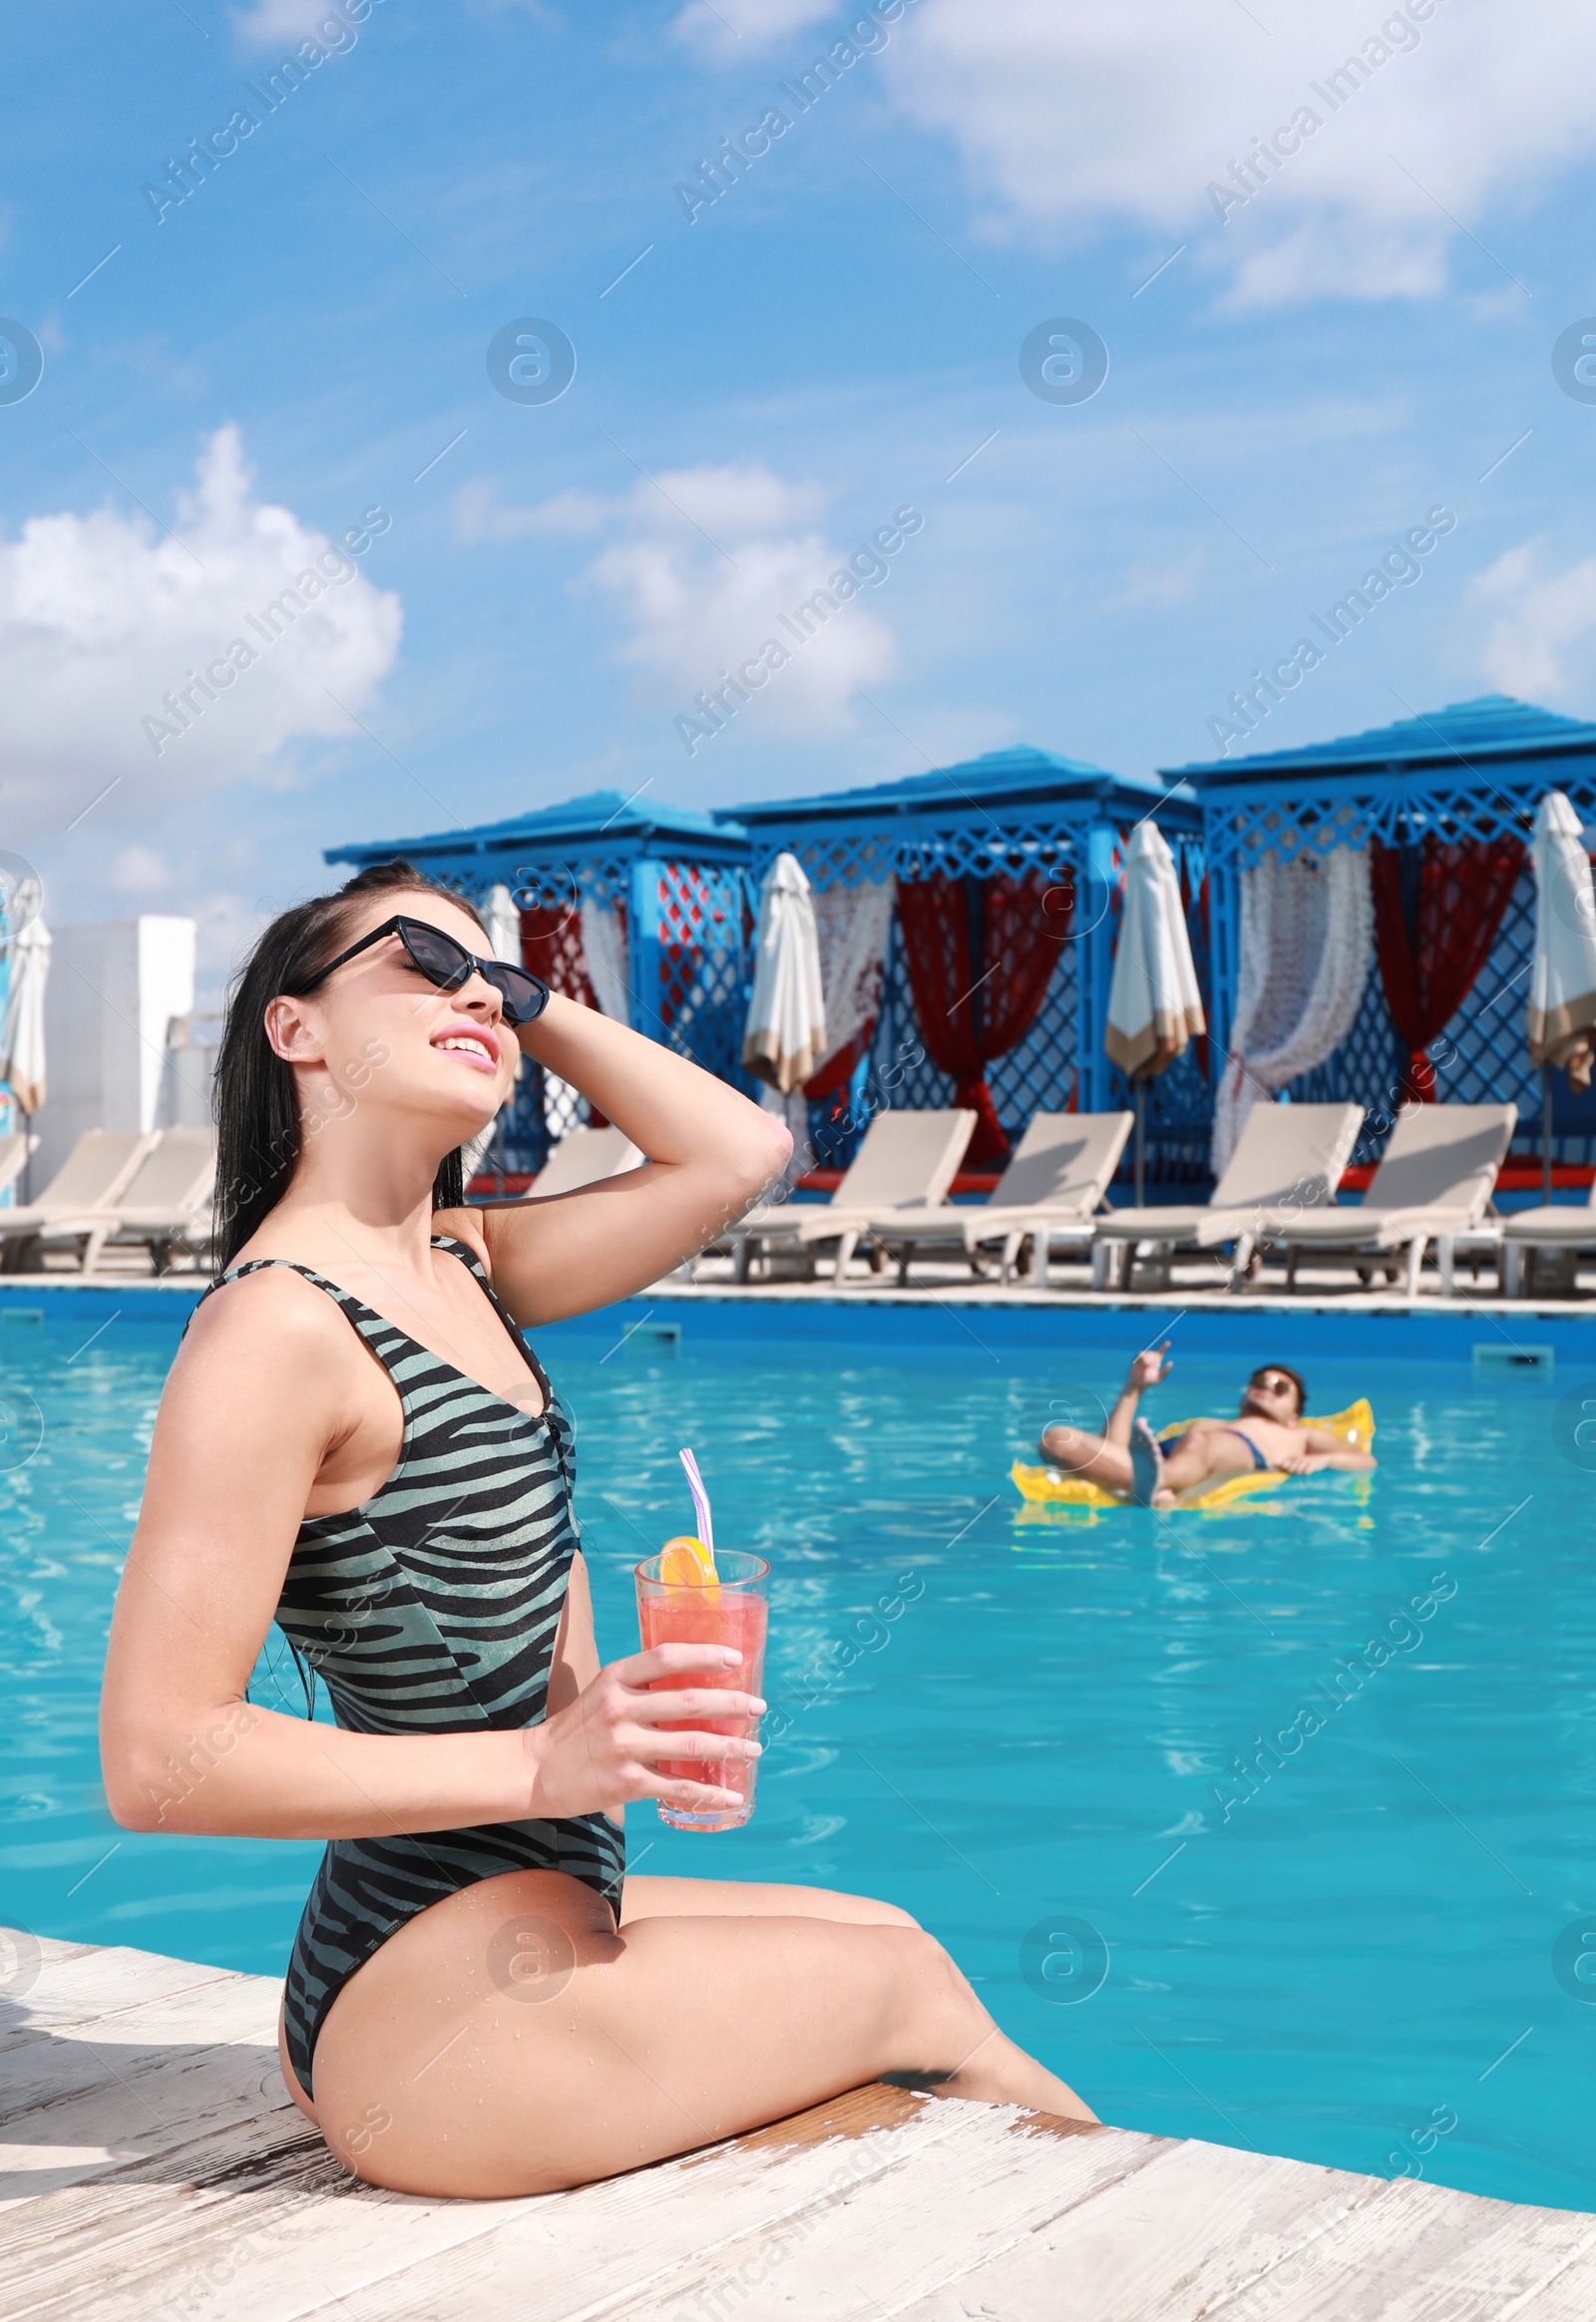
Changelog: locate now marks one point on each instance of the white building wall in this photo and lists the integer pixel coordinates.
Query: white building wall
(113, 990)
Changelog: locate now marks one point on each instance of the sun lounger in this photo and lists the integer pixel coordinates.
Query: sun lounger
(1287, 1161)
(1567, 1227)
(1433, 1183)
(584, 1157)
(907, 1161)
(165, 1204)
(1056, 1178)
(84, 1187)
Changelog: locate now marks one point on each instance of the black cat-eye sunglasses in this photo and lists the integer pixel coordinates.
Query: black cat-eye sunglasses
(450, 966)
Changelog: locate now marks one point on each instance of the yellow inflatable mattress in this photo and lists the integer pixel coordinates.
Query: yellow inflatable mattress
(1049, 1487)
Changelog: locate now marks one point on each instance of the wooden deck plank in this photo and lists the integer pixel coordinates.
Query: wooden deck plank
(874, 2248)
(293, 2234)
(88, 2137)
(159, 2172)
(1027, 2235)
(63, 2249)
(77, 1981)
(1428, 2253)
(258, 2222)
(701, 2237)
(145, 2080)
(1566, 2297)
(1187, 2237)
(110, 2051)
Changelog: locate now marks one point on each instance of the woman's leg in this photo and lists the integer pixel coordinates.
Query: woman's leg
(509, 2040)
(1079, 1453)
(707, 1899)
(726, 1898)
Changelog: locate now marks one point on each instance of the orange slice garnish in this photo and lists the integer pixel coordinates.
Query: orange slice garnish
(687, 1562)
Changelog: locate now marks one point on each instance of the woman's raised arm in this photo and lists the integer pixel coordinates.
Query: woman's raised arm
(710, 1153)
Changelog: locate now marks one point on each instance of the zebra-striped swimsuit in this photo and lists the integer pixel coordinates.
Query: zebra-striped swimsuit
(433, 1609)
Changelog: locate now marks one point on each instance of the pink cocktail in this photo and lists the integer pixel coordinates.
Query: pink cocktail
(732, 1611)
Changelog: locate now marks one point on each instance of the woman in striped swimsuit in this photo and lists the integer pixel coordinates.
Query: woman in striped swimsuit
(357, 1443)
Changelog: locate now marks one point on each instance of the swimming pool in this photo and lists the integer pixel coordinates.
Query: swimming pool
(1366, 1950)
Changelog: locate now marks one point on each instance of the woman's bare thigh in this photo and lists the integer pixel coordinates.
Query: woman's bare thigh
(715, 1898)
(511, 2040)
(707, 1898)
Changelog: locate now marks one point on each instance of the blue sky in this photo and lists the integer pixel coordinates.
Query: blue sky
(1364, 338)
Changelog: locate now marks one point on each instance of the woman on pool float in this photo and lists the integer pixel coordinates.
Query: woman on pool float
(474, 2004)
(1268, 1432)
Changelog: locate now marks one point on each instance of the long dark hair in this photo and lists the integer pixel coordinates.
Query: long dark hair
(259, 1130)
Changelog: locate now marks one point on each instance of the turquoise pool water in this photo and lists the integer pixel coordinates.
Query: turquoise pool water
(1372, 1958)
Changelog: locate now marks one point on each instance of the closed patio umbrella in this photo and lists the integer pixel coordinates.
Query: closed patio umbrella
(502, 919)
(504, 923)
(785, 1035)
(22, 1060)
(1154, 1007)
(1561, 1018)
(22, 1057)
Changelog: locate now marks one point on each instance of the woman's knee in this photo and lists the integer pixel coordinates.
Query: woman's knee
(925, 1971)
(862, 1910)
(890, 1915)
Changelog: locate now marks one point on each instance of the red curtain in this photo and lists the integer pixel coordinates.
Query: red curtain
(1438, 908)
(838, 1070)
(980, 954)
(550, 945)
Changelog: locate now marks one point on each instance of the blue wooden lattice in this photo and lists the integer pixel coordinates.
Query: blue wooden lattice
(1472, 771)
(1012, 811)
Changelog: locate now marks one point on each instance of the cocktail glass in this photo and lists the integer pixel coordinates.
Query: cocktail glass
(730, 1611)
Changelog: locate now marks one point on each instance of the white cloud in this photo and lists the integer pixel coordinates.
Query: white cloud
(283, 23)
(138, 870)
(703, 570)
(104, 620)
(226, 927)
(480, 515)
(703, 563)
(1542, 643)
(747, 25)
(1070, 118)
(1172, 582)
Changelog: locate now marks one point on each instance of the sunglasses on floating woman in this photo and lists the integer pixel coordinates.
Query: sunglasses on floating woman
(450, 966)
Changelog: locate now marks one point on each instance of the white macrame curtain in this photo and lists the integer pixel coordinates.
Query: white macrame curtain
(1307, 928)
(603, 949)
(852, 925)
(501, 917)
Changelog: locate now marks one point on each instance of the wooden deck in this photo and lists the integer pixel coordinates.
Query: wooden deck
(153, 2170)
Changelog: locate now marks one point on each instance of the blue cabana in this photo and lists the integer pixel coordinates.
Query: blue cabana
(637, 906)
(1011, 816)
(1445, 797)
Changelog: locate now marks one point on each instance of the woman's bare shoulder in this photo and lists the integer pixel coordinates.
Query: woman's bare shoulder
(273, 1314)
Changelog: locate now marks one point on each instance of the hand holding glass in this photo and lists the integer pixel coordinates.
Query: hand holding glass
(732, 1611)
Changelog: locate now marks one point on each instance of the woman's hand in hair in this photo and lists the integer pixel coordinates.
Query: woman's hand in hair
(710, 1155)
